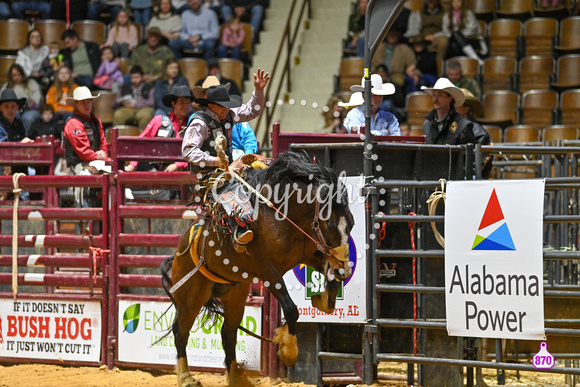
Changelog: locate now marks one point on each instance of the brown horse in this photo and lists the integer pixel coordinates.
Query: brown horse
(314, 232)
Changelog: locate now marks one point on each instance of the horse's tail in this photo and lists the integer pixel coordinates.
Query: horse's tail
(165, 279)
(167, 283)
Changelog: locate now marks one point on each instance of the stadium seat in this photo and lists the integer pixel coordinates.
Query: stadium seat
(500, 108)
(495, 132)
(515, 9)
(483, 9)
(418, 104)
(51, 30)
(193, 69)
(351, 72)
(497, 73)
(232, 69)
(555, 133)
(124, 130)
(569, 110)
(14, 35)
(535, 72)
(569, 36)
(539, 36)
(503, 37)
(522, 134)
(539, 108)
(103, 107)
(91, 30)
(567, 74)
(469, 66)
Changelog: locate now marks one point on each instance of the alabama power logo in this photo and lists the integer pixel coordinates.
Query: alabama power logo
(493, 232)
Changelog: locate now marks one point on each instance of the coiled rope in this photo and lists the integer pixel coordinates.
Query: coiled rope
(432, 205)
(16, 190)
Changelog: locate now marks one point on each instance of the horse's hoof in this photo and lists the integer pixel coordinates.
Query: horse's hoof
(189, 381)
(236, 376)
(287, 346)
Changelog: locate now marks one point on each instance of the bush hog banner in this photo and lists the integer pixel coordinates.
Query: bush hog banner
(53, 330)
(493, 259)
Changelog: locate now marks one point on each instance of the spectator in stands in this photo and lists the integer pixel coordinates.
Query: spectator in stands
(141, 11)
(394, 101)
(123, 35)
(472, 108)
(83, 58)
(356, 28)
(428, 23)
(46, 125)
(232, 39)
(42, 6)
(415, 80)
(462, 30)
(152, 56)
(333, 114)
(180, 6)
(382, 123)
(96, 7)
(220, 110)
(27, 88)
(243, 140)
(50, 65)
(32, 55)
(417, 54)
(200, 32)
(171, 78)
(213, 69)
(84, 137)
(167, 126)
(137, 101)
(59, 92)
(4, 10)
(109, 75)
(386, 50)
(167, 21)
(245, 10)
(455, 75)
(443, 124)
(11, 128)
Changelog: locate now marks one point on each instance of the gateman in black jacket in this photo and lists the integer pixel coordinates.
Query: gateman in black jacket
(82, 57)
(444, 125)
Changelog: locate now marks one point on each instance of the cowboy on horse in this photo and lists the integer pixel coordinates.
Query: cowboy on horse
(210, 131)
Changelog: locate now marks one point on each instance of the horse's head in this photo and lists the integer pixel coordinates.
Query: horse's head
(333, 231)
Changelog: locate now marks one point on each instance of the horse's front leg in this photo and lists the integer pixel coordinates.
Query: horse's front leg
(234, 303)
(286, 336)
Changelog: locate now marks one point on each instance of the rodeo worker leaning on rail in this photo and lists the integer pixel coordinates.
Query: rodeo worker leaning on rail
(219, 112)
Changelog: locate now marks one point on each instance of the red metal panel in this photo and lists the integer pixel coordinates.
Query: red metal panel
(53, 213)
(125, 260)
(55, 181)
(27, 154)
(149, 240)
(52, 260)
(54, 280)
(157, 212)
(61, 240)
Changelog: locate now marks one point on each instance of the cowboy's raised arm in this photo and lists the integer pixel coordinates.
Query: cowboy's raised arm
(255, 106)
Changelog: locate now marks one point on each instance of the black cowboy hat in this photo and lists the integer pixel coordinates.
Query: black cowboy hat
(9, 95)
(178, 91)
(219, 95)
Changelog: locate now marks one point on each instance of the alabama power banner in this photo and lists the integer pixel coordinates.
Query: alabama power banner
(53, 330)
(142, 326)
(493, 259)
(303, 282)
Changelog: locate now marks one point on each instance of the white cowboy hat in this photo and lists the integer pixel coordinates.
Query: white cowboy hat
(356, 99)
(377, 86)
(445, 85)
(80, 94)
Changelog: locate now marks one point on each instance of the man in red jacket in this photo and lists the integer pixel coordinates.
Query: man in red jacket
(84, 137)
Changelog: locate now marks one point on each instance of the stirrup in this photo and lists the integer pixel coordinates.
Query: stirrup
(240, 249)
(244, 237)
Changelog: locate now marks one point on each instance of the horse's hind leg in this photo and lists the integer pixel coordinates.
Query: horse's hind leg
(234, 305)
(189, 299)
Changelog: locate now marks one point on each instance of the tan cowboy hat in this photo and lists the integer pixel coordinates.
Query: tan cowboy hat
(445, 85)
(80, 94)
(473, 103)
(377, 86)
(210, 80)
(356, 99)
(219, 95)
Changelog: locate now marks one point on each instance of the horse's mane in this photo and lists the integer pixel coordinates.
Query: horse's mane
(293, 168)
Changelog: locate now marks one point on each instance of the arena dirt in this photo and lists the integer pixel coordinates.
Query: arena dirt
(53, 376)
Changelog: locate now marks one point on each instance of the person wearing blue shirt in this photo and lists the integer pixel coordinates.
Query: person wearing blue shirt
(382, 123)
(243, 140)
